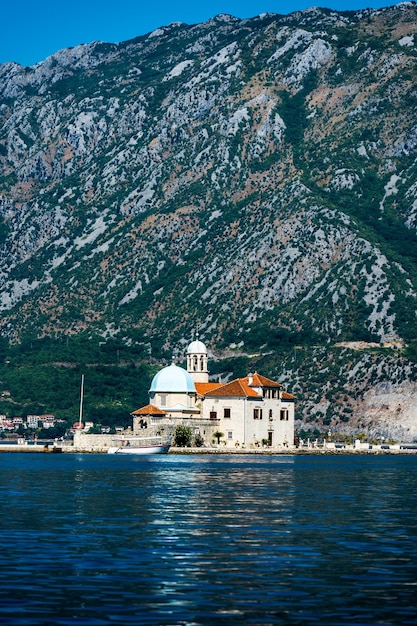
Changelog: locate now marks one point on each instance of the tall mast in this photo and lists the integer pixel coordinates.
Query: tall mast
(81, 401)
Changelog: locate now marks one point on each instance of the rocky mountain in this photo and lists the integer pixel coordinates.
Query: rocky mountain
(255, 177)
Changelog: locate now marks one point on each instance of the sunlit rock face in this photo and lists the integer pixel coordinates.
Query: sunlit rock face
(242, 175)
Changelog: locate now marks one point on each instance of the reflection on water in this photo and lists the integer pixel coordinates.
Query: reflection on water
(98, 539)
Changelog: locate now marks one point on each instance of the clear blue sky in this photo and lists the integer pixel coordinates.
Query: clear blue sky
(31, 30)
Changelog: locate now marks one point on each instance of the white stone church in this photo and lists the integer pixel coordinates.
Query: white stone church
(250, 412)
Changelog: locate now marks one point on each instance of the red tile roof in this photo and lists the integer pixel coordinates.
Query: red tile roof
(241, 388)
(262, 381)
(203, 388)
(149, 409)
(236, 388)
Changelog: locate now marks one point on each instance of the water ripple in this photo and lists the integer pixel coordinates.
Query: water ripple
(98, 540)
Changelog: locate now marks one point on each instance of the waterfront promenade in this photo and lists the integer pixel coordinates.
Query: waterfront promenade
(29, 448)
(67, 447)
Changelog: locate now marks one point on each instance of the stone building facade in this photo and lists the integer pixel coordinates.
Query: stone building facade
(245, 413)
(251, 412)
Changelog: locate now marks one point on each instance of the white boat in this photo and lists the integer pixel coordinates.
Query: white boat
(139, 445)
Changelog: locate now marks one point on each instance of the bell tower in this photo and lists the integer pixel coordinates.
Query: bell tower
(197, 362)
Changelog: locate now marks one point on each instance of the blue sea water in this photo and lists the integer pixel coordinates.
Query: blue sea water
(188, 540)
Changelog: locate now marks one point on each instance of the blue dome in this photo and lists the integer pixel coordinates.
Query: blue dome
(172, 379)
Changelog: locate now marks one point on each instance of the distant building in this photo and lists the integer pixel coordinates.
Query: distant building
(253, 410)
(32, 421)
(6, 423)
(40, 421)
(249, 412)
(47, 421)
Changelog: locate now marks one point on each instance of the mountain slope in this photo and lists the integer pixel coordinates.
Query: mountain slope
(255, 177)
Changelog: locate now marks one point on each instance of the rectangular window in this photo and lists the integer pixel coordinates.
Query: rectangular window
(283, 415)
(230, 434)
(163, 400)
(257, 414)
(227, 413)
(213, 415)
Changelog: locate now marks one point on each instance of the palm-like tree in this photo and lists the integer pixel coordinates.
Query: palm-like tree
(218, 435)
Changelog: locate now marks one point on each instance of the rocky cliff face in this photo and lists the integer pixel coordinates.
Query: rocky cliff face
(255, 177)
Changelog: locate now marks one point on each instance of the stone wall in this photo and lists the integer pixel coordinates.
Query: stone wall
(83, 442)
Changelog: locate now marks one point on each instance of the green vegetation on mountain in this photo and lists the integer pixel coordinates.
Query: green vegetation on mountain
(255, 178)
